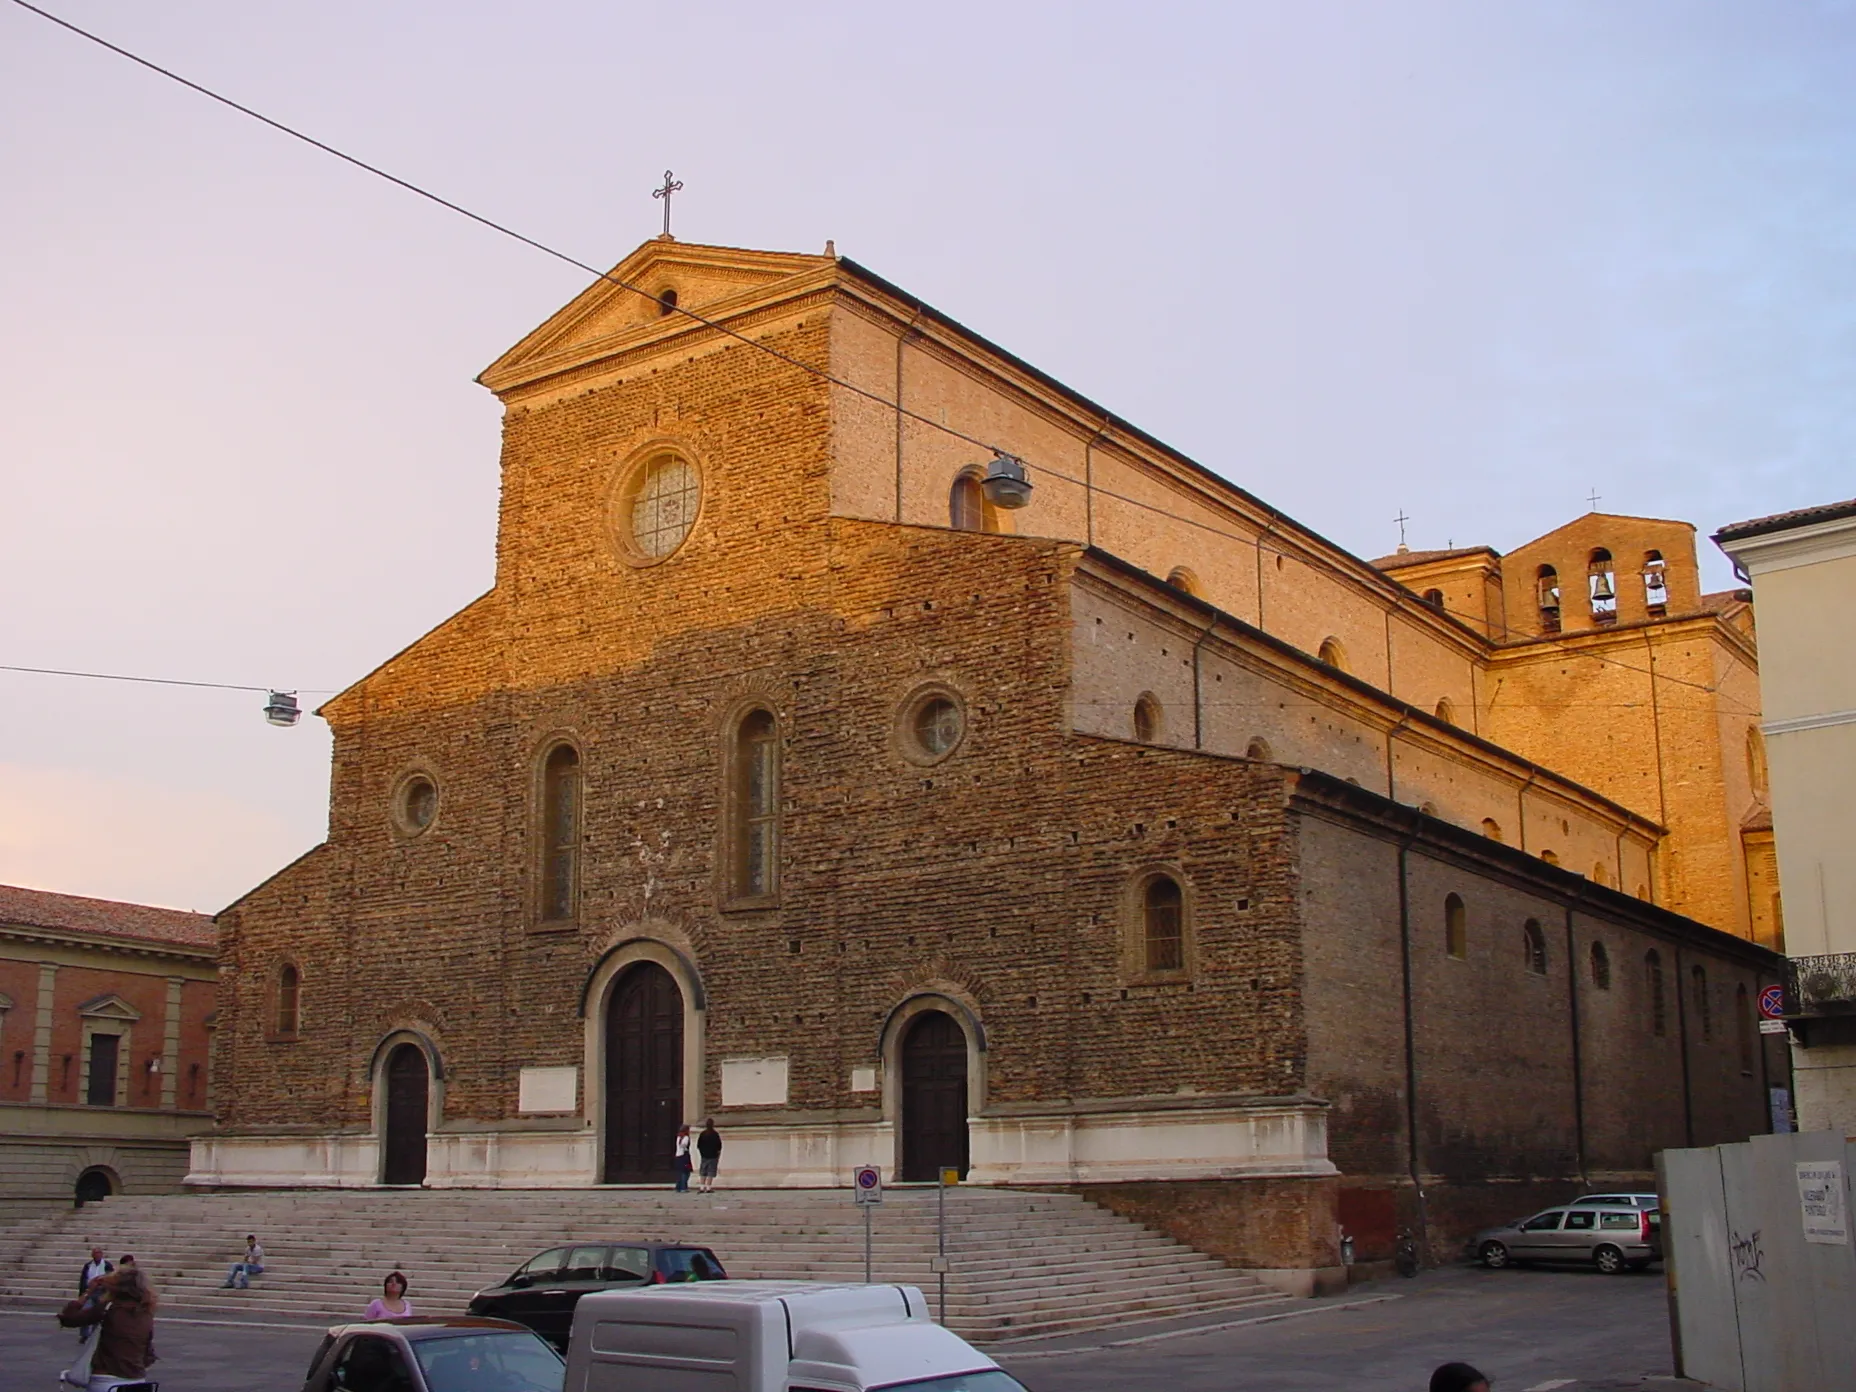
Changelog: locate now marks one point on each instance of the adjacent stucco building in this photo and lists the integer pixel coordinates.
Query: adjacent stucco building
(106, 1013)
(1803, 568)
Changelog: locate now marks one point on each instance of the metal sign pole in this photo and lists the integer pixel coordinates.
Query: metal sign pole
(866, 1191)
(940, 1245)
(867, 1208)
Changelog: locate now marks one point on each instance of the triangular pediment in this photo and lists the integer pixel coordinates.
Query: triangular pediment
(608, 317)
(6, 1002)
(110, 1007)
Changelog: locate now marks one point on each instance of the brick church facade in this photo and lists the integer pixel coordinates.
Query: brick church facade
(782, 777)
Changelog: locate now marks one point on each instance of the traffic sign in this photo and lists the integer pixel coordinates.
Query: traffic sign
(1772, 1003)
(867, 1184)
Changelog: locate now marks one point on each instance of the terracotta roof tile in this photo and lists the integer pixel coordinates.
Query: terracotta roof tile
(1784, 521)
(37, 908)
(1412, 558)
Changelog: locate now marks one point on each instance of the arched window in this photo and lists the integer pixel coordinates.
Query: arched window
(1743, 1029)
(755, 765)
(666, 301)
(1547, 597)
(966, 505)
(1435, 598)
(1601, 581)
(1659, 1004)
(1492, 829)
(1756, 760)
(1333, 653)
(1259, 749)
(289, 993)
(1601, 966)
(1180, 578)
(560, 834)
(1704, 1012)
(1551, 857)
(1655, 584)
(1534, 947)
(1446, 712)
(1456, 927)
(1163, 928)
(1147, 718)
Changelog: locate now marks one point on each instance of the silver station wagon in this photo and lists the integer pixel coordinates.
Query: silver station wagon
(1613, 1237)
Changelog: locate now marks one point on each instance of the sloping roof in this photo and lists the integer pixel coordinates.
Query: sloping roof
(1412, 558)
(38, 908)
(1785, 521)
(1720, 601)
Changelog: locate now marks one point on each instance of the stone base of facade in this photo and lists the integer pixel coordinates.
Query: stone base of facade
(1824, 1076)
(45, 1150)
(1134, 1141)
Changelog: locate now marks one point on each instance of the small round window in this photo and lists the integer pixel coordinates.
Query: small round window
(416, 804)
(932, 725)
(659, 506)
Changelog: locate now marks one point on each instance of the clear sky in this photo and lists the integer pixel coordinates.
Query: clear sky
(1471, 261)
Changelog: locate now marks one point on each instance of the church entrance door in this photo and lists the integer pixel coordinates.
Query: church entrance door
(644, 1075)
(934, 1097)
(408, 1096)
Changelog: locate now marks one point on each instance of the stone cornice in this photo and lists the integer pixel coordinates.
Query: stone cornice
(79, 946)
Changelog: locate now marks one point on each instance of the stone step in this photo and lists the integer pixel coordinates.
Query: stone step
(1022, 1262)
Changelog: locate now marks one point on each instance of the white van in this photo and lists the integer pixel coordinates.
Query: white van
(770, 1336)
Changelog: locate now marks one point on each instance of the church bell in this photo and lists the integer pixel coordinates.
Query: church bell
(1007, 484)
(1601, 586)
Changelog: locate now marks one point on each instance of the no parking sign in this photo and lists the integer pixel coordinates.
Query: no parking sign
(867, 1184)
(1772, 1010)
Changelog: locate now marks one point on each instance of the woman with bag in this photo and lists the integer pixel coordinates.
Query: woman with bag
(122, 1307)
(682, 1158)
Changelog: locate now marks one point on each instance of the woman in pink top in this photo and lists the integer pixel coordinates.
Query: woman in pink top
(393, 1304)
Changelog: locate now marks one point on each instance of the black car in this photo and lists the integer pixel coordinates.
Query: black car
(434, 1355)
(543, 1291)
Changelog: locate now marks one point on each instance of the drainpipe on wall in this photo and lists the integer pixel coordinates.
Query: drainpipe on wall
(1688, 1100)
(901, 342)
(1578, 1063)
(1520, 805)
(1392, 734)
(1411, 1051)
(1198, 701)
(1089, 481)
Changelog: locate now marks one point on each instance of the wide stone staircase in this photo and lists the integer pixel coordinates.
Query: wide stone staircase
(1020, 1264)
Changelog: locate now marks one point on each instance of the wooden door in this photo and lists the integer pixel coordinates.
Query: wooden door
(408, 1097)
(934, 1097)
(644, 1076)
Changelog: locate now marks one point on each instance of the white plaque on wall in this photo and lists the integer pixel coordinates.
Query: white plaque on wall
(548, 1089)
(754, 1082)
(863, 1080)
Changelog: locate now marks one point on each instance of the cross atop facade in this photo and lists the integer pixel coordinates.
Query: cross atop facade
(1593, 499)
(671, 185)
(1401, 519)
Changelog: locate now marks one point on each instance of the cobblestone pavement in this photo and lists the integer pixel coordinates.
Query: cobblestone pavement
(1531, 1331)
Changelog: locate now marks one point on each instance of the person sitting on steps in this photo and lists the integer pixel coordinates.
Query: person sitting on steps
(253, 1265)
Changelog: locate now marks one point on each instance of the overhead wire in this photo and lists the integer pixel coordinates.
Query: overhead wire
(607, 276)
(167, 681)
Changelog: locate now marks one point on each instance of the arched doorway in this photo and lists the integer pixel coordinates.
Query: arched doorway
(409, 1089)
(644, 1075)
(934, 1097)
(93, 1186)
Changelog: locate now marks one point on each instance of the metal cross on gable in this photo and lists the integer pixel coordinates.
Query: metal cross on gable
(1401, 519)
(671, 185)
(1593, 499)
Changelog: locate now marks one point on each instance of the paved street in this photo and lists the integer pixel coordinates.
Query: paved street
(1569, 1331)
(1564, 1331)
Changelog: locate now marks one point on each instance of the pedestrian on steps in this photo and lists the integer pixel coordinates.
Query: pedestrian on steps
(391, 1303)
(242, 1271)
(709, 1152)
(96, 1268)
(680, 1156)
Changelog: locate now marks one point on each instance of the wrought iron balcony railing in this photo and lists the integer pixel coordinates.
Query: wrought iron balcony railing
(1824, 985)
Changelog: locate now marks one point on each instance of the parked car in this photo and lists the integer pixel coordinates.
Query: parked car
(771, 1336)
(542, 1292)
(1646, 1201)
(434, 1355)
(1612, 1237)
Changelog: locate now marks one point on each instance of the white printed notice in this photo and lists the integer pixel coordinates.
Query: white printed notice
(1820, 1196)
